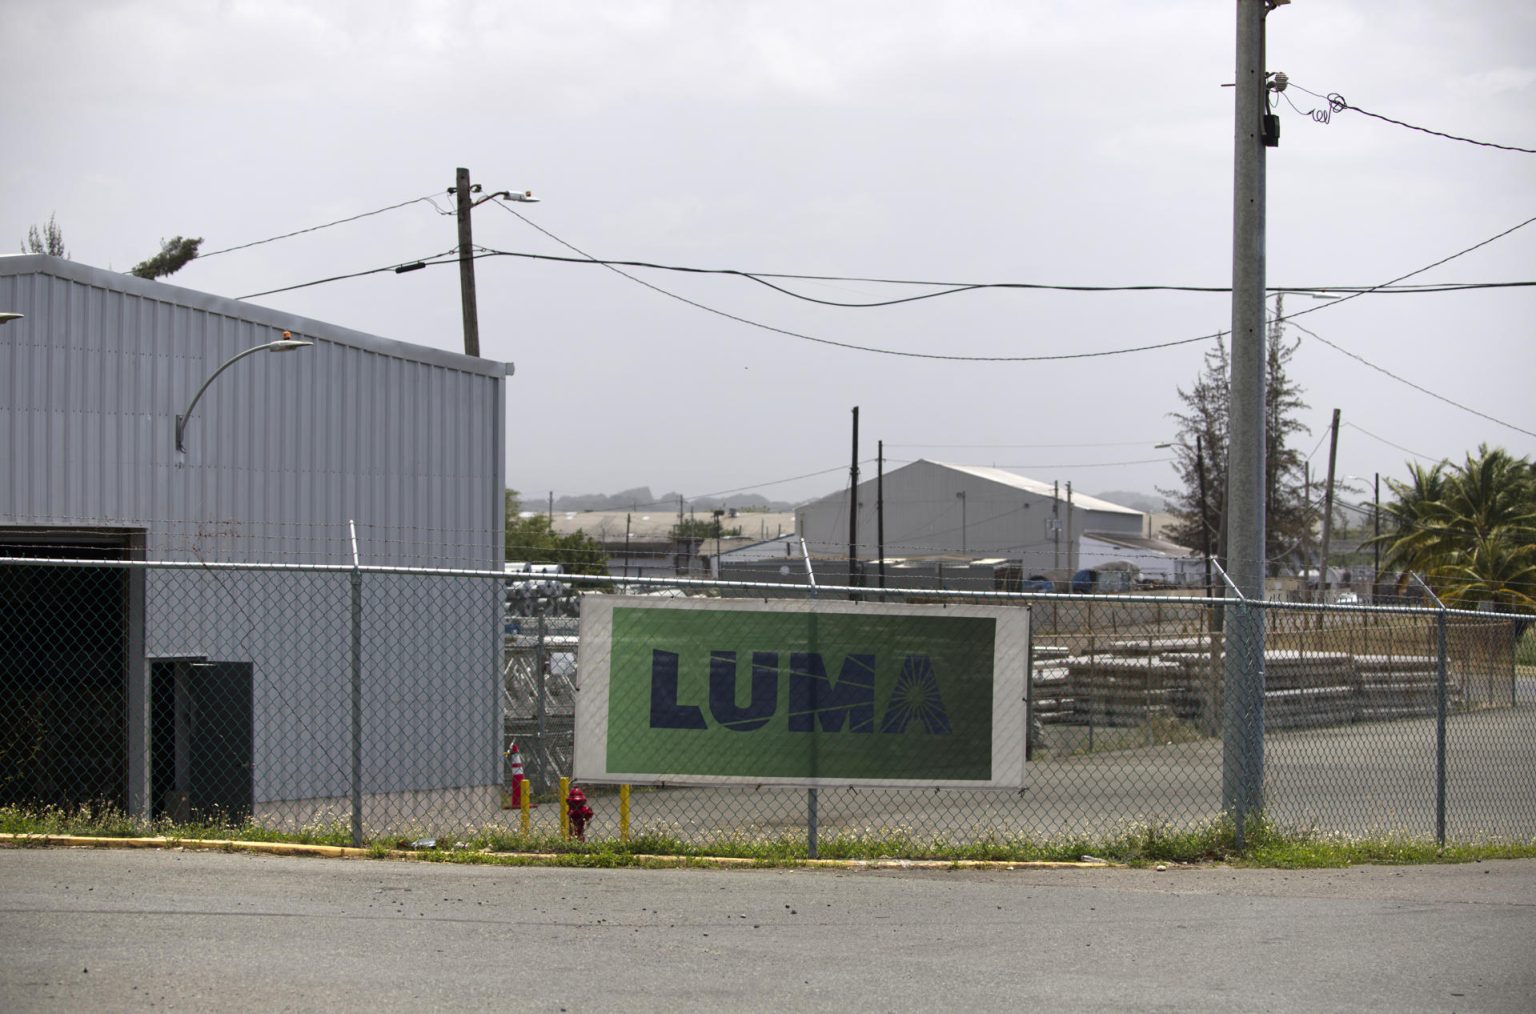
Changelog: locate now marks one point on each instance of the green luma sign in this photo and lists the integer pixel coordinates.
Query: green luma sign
(790, 695)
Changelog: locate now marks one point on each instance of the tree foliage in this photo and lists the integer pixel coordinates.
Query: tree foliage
(1207, 416)
(47, 240)
(175, 253)
(1469, 530)
(534, 540)
(702, 528)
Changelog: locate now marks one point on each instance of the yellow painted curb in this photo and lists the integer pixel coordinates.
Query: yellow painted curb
(205, 844)
(345, 852)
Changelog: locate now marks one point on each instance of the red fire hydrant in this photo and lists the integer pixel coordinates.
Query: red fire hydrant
(579, 812)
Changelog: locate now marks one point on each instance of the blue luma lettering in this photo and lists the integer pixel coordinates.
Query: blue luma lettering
(815, 700)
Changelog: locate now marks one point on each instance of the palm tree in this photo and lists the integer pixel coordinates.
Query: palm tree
(1469, 529)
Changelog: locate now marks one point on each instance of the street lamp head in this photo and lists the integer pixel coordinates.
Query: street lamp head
(287, 343)
(6, 317)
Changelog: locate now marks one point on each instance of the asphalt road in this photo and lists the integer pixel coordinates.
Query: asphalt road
(1363, 779)
(141, 930)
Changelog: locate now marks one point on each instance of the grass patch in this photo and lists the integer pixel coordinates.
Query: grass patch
(1141, 844)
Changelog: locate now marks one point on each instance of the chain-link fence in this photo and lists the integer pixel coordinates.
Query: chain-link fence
(390, 701)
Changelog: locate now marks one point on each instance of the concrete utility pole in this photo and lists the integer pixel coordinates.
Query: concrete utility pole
(461, 190)
(1242, 782)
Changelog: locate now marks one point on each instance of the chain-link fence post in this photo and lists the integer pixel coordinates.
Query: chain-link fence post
(357, 694)
(540, 711)
(1441, 655)
(810, 794)
(1440, 696)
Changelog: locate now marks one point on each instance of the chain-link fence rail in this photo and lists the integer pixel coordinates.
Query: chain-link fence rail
(389, 701)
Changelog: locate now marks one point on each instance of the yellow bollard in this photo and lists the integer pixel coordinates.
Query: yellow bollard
(623, 813)
(527, 801)
(565, 814)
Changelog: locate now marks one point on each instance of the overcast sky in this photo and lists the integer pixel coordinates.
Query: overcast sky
(1022, 141)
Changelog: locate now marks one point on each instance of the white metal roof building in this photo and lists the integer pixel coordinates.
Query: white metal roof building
(282, 454)
(936, 508)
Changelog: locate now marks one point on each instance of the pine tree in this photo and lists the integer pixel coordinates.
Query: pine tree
(48, 240)
(1207, 415)
(175, 253)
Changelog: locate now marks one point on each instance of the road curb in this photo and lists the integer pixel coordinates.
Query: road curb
(346, 852)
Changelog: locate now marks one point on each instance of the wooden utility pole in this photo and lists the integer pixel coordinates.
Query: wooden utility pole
(880, 509)
(1333, 451)
(462, 191)
(1376, 525)
(853, 511)
(1056, 523)
(1071, 569)
(1205, 522)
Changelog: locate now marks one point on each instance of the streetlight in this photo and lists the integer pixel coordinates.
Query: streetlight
(287, 343)
(6, 317)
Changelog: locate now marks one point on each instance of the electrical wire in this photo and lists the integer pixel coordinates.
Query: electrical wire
(1087, 464)
(720, 492)
(958, 287)
(423, 261)
(587, 258)
(1118, 443)
(1338, 104)
(1384, 440)
(1418, 271)
(317, 228)
(1319, 439)
(862, 348)
(1409, 383)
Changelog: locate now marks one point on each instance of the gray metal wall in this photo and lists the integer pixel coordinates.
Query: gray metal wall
(282, 452)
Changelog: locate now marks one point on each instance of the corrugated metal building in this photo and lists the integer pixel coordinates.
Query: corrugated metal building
(968, 512)
(282, 454)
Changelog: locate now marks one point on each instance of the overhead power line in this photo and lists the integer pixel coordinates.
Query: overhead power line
(1417, 387)
(587, 258)
(952, 288)
(397, 268)
(1114, 443)
(1338, 104)
(850, 345)
(317, 228)
(1417, 271)
(1384, 440)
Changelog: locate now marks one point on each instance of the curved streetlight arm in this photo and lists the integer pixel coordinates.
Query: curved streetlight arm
(282, 345)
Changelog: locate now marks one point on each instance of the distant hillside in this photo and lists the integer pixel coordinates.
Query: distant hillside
(641, 498)
(1135, 501)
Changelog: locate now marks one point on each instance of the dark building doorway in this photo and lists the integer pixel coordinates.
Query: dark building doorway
(201, 742)
(64, 667)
